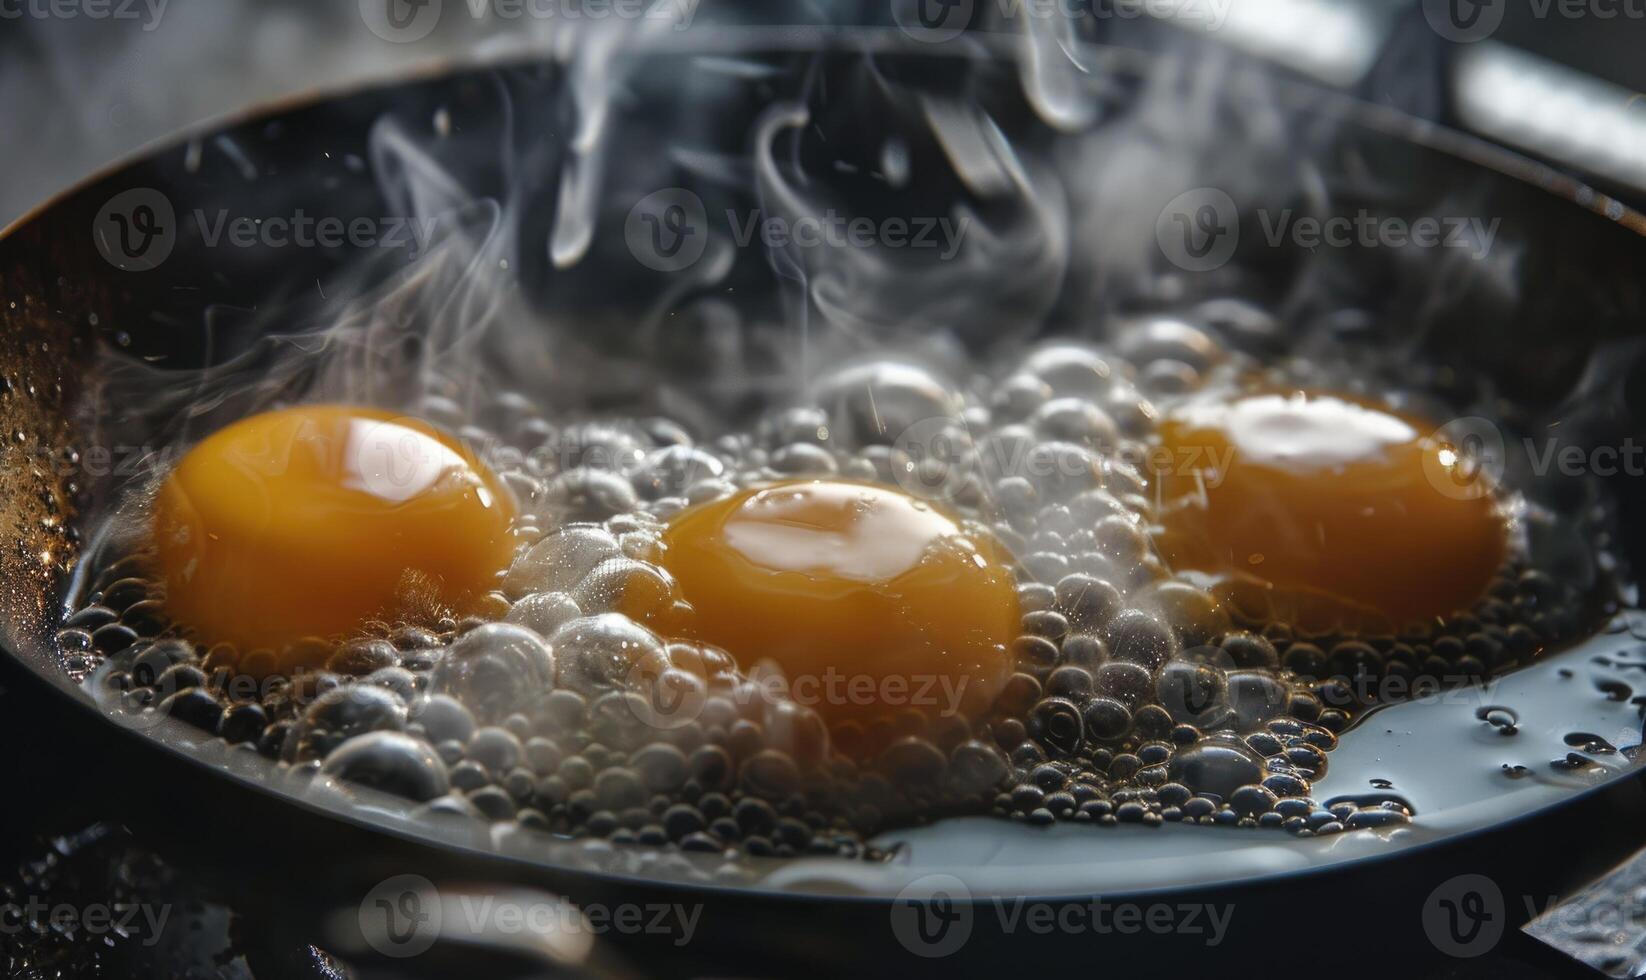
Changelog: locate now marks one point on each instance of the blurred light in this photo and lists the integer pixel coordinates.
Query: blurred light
(1335, 42)
(1553, 110)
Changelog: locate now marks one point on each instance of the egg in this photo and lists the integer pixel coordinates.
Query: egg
(310, 521)
(869, 600)
(1334, 506)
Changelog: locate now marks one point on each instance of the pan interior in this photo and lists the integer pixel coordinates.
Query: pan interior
(602, 313)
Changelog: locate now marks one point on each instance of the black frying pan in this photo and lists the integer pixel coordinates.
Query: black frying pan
(66, 306)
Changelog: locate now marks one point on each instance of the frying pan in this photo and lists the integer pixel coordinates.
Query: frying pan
(70, 311)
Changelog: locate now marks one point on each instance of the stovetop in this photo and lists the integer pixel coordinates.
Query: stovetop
(82, 896)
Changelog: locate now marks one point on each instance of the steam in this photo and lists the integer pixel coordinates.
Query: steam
(1048, 187)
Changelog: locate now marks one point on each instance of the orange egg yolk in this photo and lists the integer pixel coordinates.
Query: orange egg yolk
(869, 600)
(1331, 504)
(310, 521)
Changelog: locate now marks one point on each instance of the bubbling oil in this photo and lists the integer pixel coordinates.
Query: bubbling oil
(788, 636)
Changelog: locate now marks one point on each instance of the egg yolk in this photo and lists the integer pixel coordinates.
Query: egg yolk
(311, 520)
(1335, 506)
(869, 600)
